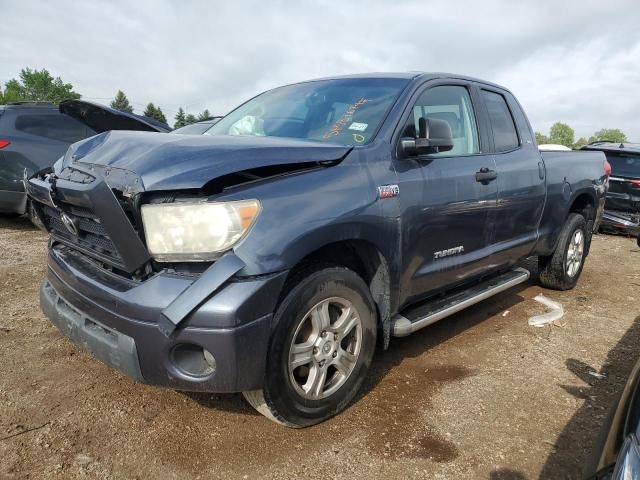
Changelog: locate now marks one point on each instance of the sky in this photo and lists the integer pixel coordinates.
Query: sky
(576, 62)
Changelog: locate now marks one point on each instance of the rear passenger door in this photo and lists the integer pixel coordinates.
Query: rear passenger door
(520, 181)
(38, 137)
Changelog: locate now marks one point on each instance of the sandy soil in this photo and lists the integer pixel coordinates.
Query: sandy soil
(479, 395)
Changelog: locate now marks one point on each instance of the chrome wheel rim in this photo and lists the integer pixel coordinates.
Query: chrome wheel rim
(575, 253)
(325, 348)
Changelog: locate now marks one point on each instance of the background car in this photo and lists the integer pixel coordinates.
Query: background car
(34, 135)
(622, 208)
(617, 453)
(197, 128)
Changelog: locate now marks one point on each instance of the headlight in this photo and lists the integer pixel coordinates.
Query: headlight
(196, 231)
(628, 462)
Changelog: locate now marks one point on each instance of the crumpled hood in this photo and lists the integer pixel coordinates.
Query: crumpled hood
(175, 162)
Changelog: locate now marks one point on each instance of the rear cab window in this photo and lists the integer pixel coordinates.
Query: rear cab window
(505, 134)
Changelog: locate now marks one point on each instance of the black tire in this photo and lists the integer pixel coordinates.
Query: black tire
(279, 399)
(553, 269)
(33, 217)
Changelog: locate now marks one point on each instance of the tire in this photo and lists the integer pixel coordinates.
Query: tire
(33, 217)
(561, 270)
(333, 300)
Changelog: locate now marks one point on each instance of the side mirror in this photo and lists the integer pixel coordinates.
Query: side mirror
(434, 136)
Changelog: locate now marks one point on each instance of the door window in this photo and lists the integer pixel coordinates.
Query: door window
(56, 127)
(505, 135)
(453, 105)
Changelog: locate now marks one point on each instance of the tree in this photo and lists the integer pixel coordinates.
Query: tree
(121, 102)
(154, 112)
(581, 142)
(205, 115)
(37, 86)
(608, 135)
(541, 139)
(561, 134)
(190, 118)
(180, 119)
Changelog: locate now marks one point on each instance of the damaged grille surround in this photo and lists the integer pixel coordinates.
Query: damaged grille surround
(90, 209)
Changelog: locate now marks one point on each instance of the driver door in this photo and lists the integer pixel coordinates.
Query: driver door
(445, 210)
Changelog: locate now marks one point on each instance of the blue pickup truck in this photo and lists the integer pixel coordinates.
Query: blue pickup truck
(272, 255)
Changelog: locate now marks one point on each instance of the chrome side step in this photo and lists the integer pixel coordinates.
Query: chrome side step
(428, 313)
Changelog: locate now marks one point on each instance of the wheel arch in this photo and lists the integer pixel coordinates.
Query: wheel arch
(366, 260)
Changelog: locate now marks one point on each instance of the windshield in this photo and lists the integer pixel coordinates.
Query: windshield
(624, 164)
(346, 111)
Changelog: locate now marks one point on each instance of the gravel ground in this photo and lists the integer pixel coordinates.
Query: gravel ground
(479, 395)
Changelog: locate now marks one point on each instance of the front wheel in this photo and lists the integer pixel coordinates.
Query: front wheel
(562, 269)
(322, 345)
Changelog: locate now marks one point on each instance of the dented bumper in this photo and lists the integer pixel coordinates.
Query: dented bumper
(117, 321)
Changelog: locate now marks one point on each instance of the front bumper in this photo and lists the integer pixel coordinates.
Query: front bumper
(117, 321)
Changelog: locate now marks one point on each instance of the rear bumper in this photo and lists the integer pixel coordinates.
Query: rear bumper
(118, 324)
(12, 201)
(620, 222)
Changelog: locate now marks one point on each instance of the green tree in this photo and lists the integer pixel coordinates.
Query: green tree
(608, 135)
(204, 115)
(121, 102)
(581, 142)
(190, 118)
(180, 119)
(541, 139)
(561, 134)
(37, 86)
(154, 112)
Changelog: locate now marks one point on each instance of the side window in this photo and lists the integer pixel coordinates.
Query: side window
(453, 105)
(505, 135)
(56, 127)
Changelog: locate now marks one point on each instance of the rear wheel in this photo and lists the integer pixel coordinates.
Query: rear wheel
(321, 348)
(562, 269)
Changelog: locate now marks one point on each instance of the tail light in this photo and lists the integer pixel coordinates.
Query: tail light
(635, 183)
(607, 168)
(4, 142)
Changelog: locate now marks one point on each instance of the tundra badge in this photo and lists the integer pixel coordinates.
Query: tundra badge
(448, 252)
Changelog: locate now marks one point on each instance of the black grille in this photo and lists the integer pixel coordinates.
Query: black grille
(92, 239)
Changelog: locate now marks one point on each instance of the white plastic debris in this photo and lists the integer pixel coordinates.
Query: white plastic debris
(596, 374)
(506, 312)
(555, 312)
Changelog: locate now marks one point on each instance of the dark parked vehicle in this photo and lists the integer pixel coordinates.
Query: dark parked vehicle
(622, 208)
(617, 453)
(312, 223)
(198, 128)
(34, 135)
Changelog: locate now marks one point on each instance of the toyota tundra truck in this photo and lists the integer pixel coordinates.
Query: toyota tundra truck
(277, 253)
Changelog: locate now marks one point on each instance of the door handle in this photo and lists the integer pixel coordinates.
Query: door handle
(485, 175)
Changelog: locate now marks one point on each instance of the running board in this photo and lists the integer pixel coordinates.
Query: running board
(428, 313)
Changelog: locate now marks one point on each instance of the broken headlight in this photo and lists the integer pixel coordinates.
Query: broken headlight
(196, 232)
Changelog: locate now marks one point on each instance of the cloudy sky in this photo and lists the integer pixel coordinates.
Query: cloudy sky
(571, 61)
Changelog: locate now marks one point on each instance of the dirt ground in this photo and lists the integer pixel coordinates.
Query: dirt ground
(479, 395)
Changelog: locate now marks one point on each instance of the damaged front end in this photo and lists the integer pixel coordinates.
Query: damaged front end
(160, 320)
